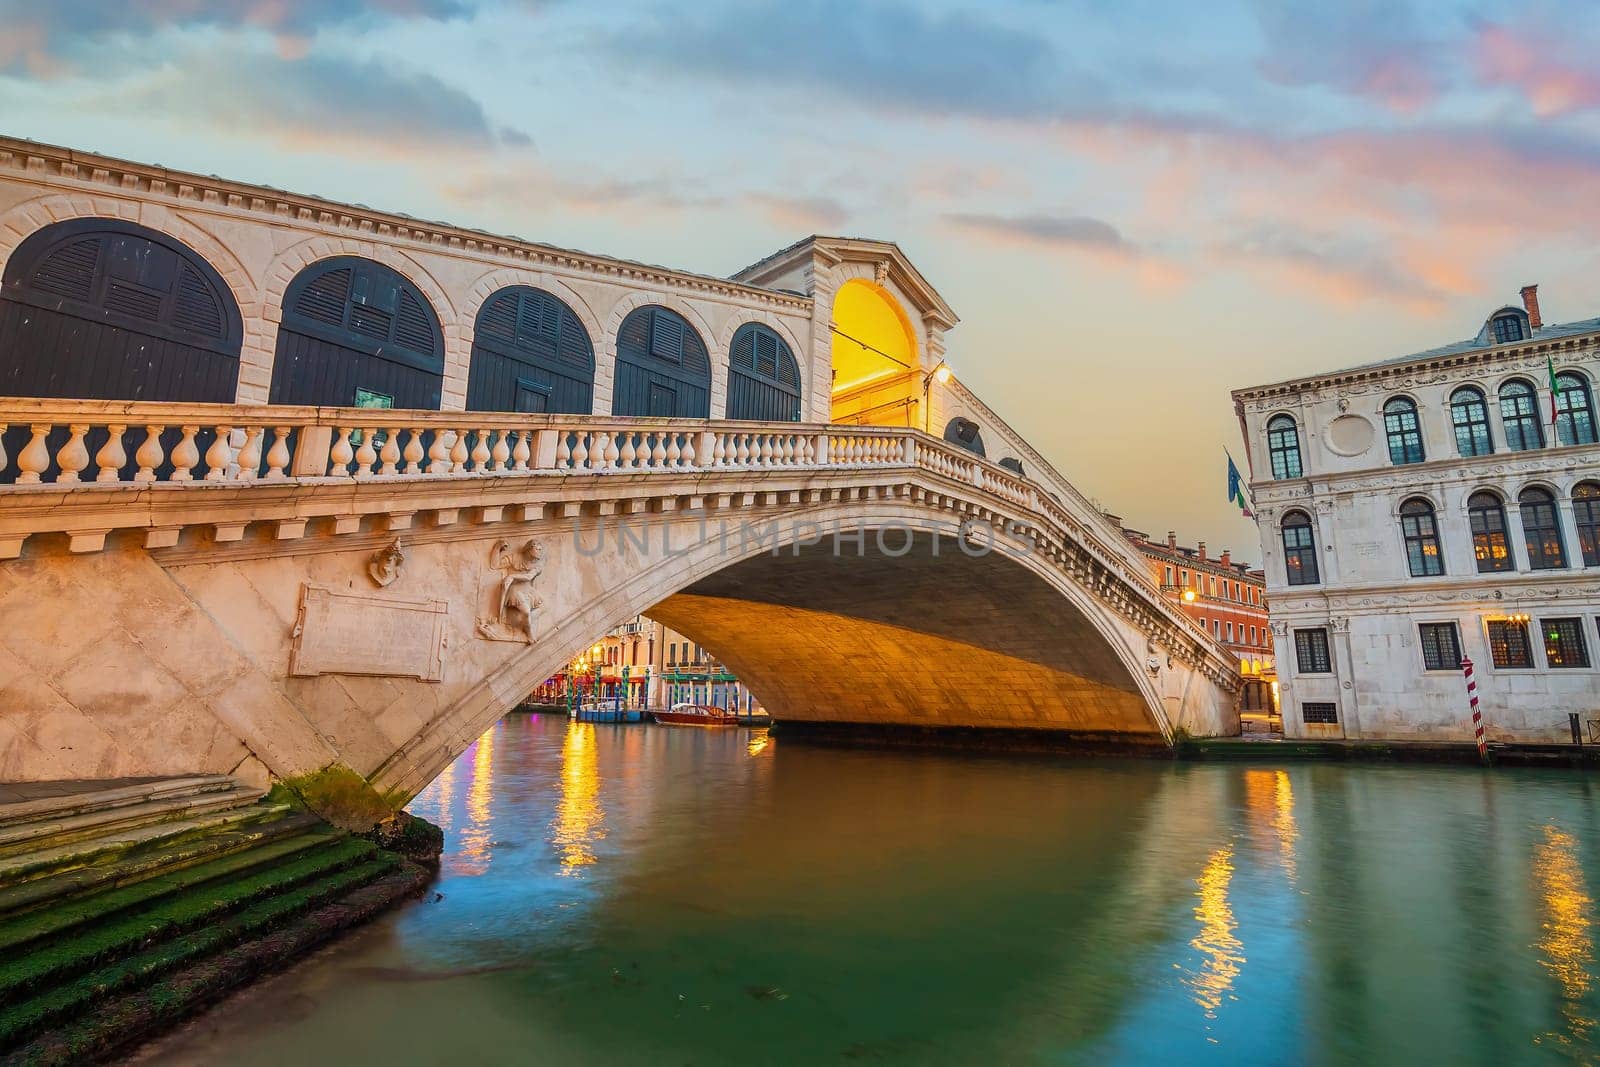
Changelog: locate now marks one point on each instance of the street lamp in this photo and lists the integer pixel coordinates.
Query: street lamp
(1188, 596)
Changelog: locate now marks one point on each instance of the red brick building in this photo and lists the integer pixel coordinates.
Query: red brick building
(1226, 597)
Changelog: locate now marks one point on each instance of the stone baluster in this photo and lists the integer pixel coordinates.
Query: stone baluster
(500, 452)
(149, 456)
(522, 452)
(629, 454)
(480, 451)
(439, 453)
(458, 450)
(219, 455)
(4, 459)
(340, 455)
(413, 451)
(741, 455)
(689, 452)
(599, 445)
(658, 449)
(278, 453)
(766, 450)
(34, 459)
(612, 452)
(390, 452)
(73, 456)
(674, 453)
(109, 460)
(563, 450)
(580, 450)
(250, 454)
(185, 454)
(366, 454)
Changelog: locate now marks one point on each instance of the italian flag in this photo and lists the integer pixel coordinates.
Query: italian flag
(1555, 390)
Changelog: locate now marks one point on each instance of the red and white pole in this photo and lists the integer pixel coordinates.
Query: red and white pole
(1477, 716)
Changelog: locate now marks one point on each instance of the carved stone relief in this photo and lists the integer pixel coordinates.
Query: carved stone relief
(515, 603)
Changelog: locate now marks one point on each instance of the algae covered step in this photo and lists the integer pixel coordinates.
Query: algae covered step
(170, 852)
(33, 833)
(80, 950)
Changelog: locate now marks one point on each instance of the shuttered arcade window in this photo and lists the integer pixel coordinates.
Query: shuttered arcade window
(764, 379)
(367, 307)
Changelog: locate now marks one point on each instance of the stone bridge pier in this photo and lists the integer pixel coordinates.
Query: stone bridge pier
(270, 611)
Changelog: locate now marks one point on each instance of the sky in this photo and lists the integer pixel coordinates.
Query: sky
(1133, 206)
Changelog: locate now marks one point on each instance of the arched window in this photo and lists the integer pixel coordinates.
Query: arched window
(1469, 414)
(763, 376)
(1519, 411)
(1405, 432)
(1491, 546)
(101, 309)
(1421, 533)
(964, 432)
(1586, 510)
(1013, 464)
(1508, 327)
(1574, 410)
(357, 334)
(1283, 443)
(1541, 530)
(1299, 549)
(530, 353)
(663, 370)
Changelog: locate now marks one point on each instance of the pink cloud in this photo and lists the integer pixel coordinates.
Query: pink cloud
(1555, 78)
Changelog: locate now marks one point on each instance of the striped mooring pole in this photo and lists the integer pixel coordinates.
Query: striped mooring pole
(1477, 716)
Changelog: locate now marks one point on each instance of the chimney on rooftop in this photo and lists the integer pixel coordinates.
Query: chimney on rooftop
(1202, 549)
(1172, 538)
(1530, 301)
(1227, 558)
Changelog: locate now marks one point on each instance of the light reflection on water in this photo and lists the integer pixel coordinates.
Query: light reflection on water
(635, 894)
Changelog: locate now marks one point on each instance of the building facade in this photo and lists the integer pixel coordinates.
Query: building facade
(645, 663)
(1432, 507)
(1223, 596)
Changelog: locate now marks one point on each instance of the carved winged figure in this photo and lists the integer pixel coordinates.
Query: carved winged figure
(517, 597)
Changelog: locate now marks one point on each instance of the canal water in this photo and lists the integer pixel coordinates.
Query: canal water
(652, 895)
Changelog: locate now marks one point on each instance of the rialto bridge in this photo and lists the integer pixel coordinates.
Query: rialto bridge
(286, 483)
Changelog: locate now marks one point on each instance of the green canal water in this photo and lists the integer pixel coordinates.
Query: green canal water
(651, 895)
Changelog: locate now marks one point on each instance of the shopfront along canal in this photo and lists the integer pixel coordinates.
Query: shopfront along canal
(630, 894)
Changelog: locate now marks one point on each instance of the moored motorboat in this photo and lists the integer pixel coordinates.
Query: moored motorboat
(686, 714)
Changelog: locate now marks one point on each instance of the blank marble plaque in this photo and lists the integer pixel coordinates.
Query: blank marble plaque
(340, 632)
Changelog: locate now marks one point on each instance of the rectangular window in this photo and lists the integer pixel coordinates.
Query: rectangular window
(1441, 646)
(1508, 645)
(1216, 629)
(1252, 635)
(1564, 645)
(1169, 575)
(1183, 577)
(1311, 652)
(1319, 711)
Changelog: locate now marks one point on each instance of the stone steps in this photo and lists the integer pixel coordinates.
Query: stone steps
(192, 846)
(95, 817)
(152, 898)
(82, 852)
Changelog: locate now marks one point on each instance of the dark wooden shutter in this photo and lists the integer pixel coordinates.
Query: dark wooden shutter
(764, 377)
(525, 335)
(661, 362)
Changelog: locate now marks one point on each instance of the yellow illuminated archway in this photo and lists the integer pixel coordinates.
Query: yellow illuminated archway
(875, 377)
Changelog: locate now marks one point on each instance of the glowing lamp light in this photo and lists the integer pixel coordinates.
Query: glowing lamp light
(942, 375)
(1188, 596)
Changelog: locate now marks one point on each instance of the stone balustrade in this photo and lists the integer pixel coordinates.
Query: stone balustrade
(99, 450)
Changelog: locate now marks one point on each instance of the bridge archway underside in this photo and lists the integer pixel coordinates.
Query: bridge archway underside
(161, 626)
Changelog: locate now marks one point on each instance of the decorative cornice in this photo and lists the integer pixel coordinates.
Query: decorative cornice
(1464, 470)
(54, 166)
(1358, 380)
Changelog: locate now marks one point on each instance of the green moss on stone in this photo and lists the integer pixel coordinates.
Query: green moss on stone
(341, 796)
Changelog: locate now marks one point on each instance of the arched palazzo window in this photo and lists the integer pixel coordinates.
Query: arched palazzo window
(663, 369)
(1541, 530)
(1404, 430)
(101, 309)
(1012, 464)
(763, 376)
(1283, 445)
(356, 333)
(1574, 410)
(1469, 415)
(1490, 544)
(964, 432)
(1519, 411)
(1299, 549)
(1586, 510)
(530, 352)
(1421, 532)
